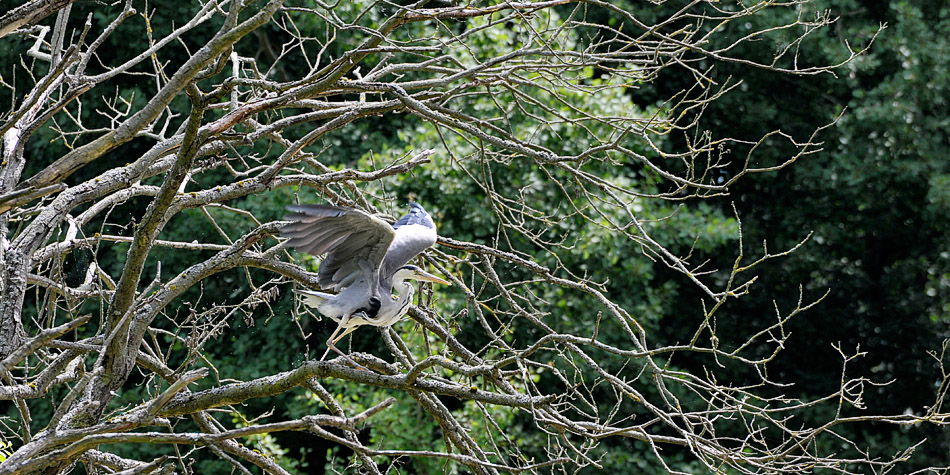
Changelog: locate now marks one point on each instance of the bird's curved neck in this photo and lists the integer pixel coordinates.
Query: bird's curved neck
(399, 306)
(403, 288)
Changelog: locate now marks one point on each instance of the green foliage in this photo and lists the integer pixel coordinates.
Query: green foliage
(875, 199)
(5, 451)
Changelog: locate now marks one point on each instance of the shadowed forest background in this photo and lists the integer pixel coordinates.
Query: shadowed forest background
(869, 206)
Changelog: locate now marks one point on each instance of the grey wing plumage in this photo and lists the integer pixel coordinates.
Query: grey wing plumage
(417, 215)
(355, 242)
(414, 233)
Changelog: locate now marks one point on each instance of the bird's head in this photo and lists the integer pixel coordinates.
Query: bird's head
(416, 272)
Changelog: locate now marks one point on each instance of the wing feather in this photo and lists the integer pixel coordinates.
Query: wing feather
(355, 242)
(414, 233)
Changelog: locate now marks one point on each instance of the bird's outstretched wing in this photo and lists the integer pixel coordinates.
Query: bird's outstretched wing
(415, 232)
(355, 242)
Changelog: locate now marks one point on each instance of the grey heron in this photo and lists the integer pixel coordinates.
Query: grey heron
(366, 260)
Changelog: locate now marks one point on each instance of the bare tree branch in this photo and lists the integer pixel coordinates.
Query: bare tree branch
(156, 182)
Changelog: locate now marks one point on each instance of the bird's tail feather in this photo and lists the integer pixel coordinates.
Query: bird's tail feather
(313, 298)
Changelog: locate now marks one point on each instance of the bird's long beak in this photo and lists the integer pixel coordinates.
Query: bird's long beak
(423, 275)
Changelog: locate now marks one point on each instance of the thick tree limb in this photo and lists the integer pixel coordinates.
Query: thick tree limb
(29, 13)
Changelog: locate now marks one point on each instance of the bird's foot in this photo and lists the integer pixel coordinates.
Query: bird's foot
(356, 365)
(345, 357)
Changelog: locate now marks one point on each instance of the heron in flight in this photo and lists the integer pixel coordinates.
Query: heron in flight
(366, 260)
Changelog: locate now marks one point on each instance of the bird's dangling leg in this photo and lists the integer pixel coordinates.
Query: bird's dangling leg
(331, 342)
(330, 345)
